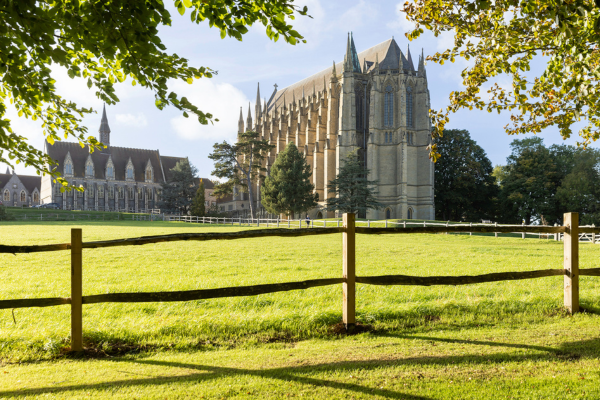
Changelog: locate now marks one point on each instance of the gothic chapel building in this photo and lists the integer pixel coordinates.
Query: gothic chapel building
(114, 179)
(374, 102)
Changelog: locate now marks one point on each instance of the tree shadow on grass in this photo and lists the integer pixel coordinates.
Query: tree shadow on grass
(567, 352)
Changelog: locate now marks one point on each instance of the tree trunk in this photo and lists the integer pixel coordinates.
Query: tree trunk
(250, 196)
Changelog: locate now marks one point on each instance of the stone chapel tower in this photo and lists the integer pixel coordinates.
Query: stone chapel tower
(374, 102)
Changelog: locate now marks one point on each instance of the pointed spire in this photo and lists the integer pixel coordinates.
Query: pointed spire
(351, 62)
(257, 110)
(411, 65)
(376, 60)
(284, 106)
(422, 64)
(265, 106)
(104, 130)
(303, 92)
(249, 119)
(293, 97)
(241, 122)
(314, 90)
(333, 72)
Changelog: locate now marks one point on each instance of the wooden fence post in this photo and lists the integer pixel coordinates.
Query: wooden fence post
(571, 261)
(496, 233)
(349, 273)
(76, 291)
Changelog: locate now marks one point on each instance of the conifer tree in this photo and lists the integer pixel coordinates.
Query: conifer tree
(179, 191)
(354, 192)
(287, 189)
(198, 207)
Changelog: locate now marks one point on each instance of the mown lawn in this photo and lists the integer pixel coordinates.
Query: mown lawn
(493, 340)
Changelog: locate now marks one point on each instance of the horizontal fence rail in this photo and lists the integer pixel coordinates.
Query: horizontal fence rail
(173, 238)
(571, 233)
(189, 295)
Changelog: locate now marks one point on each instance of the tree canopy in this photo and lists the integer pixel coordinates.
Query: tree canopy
(178, 193)
(287, 189)
(354, 192)
(465, 188)
(505, 37)
(241, 164)
(106, 42)
(198, 207)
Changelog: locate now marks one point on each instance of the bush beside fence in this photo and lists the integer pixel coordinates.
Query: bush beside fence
(571, 272)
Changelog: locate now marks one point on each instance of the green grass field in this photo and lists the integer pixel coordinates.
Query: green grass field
(493, 340)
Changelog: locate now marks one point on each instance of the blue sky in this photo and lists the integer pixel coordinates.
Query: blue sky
(136, 122)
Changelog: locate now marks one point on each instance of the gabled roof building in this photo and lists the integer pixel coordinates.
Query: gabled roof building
(19, 190)
(374, 102)
(114, 179)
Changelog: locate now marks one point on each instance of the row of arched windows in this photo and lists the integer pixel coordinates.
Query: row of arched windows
(110, 171)
(409, 213)
(22, 197)
(89, 192)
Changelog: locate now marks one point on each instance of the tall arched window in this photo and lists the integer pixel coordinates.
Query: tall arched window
(89, 170)
(23, 196)
(36, 197)
(130, 173)
(410, 213)
(409, 107)
(68, 169)
(6, 195)
(388, 109)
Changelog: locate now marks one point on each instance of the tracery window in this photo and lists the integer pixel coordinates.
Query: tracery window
(409, 107)
(388, 108)
(57, 190)
(36, 197)
(101, 191)
(23, 196)
(89, 167)
(90, 191)
(130, 193)
(110, 172)
(121, 192)
(129, 172)
(6, 195)
(149, 174)
(140, 193)
(68, 169)
(149, 194)
(111, 192)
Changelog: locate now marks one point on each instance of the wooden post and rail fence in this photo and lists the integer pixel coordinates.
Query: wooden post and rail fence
(349, 279)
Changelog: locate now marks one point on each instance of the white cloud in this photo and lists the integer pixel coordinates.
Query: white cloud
(221, 100)
(137, 121)
(401, 22)
(357, 16)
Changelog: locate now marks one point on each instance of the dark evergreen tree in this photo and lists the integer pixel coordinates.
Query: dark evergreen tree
(287, 189)
(178, 192)
(198, 207)
(465, 188)
(354, 192)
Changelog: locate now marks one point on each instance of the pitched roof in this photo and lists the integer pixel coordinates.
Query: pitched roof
(31, 182)
(388, 53)
(169, 163)
(207, 183)
(120, 157)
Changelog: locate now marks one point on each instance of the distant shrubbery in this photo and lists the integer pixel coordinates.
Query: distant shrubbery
(4, 215)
